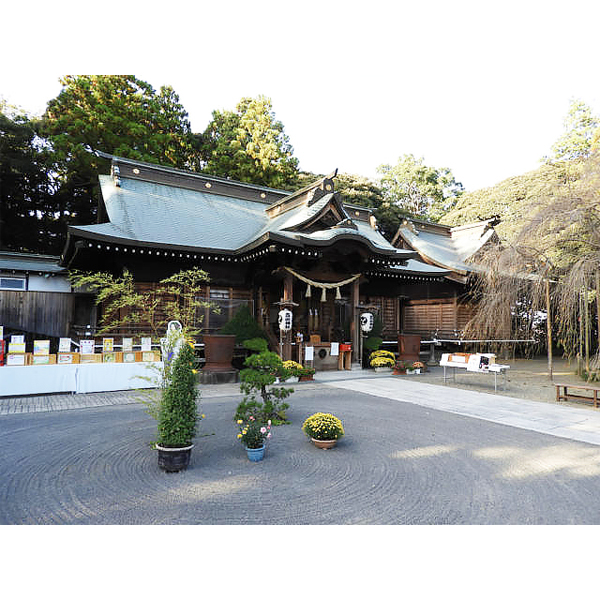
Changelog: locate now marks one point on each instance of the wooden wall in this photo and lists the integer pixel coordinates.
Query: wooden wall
(444, 315)
(45, 313)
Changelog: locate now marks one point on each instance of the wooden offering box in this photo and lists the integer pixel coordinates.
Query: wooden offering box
(148, 356)
(67, 358)
(90, 358)
(43, 359)
(112, 357)
(18, 359)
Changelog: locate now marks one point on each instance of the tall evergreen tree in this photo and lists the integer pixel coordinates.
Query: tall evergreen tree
(28, 214)
(250, 145)
(117, 114)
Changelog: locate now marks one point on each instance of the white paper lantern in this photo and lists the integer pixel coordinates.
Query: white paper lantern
(366, 322)
(285, 320)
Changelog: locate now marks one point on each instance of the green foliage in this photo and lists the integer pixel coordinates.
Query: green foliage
(29, 215)
(243, 325)
(257, 382)
(124, 307)
(418, 189)
(323, 426)
(580, 126)
(372, 343)
(178, 412)
(249, 145)
(253, 433)
(514, 200)
(117, 114)
(256, 344)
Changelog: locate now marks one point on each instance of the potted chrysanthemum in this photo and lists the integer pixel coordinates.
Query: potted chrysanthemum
(324, 429)
(382, 360)
(253, 435)
(298, 371)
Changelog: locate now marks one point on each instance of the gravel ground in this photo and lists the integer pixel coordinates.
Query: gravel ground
(526, 378)
(398, 464)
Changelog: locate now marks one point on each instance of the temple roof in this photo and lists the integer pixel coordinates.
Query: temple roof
(149, 205)
(30, 263)
(445, 246)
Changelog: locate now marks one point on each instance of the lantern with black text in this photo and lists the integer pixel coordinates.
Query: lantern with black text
(285, 320)
(366, 322)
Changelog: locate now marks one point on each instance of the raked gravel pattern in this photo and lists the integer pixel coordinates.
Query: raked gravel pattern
(400, 463)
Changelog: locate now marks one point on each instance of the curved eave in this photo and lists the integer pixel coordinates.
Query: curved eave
(450, 268)
(297, 241)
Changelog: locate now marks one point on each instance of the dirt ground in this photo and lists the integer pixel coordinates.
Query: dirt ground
(526, 378)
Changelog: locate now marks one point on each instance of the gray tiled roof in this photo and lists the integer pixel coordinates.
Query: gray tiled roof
(42, 263)
(447, 247)
(168, 215)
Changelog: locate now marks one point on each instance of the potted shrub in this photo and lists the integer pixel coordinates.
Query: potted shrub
(382, 360)
(178, 413)
(254, 435)
(324, 429)
(262, 400)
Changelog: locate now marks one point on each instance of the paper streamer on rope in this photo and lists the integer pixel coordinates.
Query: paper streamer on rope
(324, 286)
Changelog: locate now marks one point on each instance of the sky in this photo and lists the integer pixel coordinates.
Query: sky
(481, 88)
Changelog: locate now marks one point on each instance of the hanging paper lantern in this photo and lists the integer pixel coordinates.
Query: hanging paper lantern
(285, 320)
(366, 322)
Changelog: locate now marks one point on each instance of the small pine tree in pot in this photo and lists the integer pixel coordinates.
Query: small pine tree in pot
(178, 413)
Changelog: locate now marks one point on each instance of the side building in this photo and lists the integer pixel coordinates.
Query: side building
(442, 309)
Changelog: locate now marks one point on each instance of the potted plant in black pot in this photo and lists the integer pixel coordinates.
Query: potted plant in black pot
(178, 413)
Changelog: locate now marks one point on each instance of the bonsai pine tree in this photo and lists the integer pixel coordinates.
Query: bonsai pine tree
(178, 412)
(256, 381)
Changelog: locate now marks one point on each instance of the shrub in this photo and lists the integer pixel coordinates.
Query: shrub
(261, 372)
(178, 412)
(243, 325)
(323, 426)
(256, 344)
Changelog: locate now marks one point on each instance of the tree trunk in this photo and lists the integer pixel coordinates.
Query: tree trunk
(549, 327)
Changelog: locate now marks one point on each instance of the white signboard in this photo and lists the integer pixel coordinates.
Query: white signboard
(41, 347)
(64, 345)
(335, 349)
(309, 353)
(87, 346)
(146, 344)
(127, 344)
(17, 339)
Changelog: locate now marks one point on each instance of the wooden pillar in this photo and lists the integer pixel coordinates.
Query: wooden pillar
(354, 327)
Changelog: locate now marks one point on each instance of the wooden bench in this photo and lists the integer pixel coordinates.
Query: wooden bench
(577, 386)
